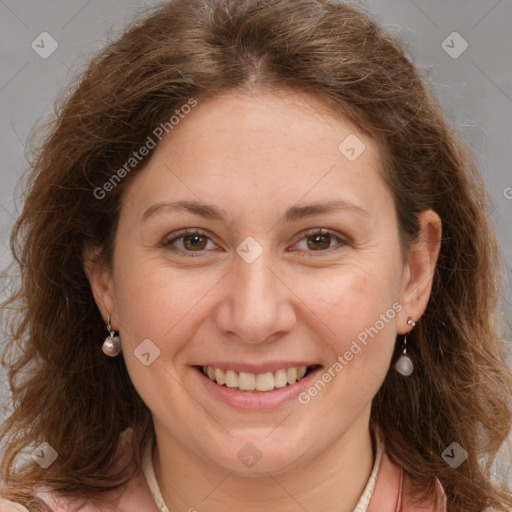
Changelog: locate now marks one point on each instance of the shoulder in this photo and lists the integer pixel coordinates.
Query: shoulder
(133, 496)
(10, 506)
(436, 502)
(392, 490)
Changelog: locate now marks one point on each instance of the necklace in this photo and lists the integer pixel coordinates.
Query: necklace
(362, 504)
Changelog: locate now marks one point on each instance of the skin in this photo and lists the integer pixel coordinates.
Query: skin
(255, 156)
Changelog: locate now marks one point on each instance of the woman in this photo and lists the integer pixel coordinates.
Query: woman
(256, 274)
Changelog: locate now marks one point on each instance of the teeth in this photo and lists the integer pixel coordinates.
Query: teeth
(245, 381)
(220, 377)
(264, 381)
(231, 379)
(280, 379)
(291, 375)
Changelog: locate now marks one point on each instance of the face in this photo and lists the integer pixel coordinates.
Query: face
(251, 249)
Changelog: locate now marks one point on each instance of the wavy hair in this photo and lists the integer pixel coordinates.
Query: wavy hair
(67, 393)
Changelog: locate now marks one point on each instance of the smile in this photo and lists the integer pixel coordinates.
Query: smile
(256, 382)
(257, 387)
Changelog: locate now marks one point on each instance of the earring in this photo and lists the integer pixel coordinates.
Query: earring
(112, 344)
(404, 364)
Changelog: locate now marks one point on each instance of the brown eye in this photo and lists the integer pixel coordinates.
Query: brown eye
(319, 241)
(194, 242)
(190, 241)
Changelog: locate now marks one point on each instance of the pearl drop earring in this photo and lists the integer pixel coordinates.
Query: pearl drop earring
(112, 344)
(404, 365)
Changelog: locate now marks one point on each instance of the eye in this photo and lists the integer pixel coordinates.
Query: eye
(190, 241)
(320, 240)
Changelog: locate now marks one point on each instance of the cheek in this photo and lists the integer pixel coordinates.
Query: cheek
(156, 301)
(359, 314)
(358, 310)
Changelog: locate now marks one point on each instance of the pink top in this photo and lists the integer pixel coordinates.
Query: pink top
(384, 492)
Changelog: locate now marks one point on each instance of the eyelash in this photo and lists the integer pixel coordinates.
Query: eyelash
(305, 234)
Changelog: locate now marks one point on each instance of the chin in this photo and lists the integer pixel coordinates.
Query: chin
(259, 454)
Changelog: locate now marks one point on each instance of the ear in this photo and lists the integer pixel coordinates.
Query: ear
(420, 268)
(100, 280)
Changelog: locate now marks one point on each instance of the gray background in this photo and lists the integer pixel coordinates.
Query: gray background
(474, 88)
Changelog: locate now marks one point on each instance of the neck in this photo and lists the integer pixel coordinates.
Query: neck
(331, 480)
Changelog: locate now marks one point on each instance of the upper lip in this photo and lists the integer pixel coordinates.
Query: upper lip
(258, 368)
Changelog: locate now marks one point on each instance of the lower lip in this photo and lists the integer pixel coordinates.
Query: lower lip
(246, 400)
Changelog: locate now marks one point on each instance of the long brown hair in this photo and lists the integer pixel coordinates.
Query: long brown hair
(67, 393)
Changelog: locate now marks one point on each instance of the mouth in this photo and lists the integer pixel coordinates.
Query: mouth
(266, 382)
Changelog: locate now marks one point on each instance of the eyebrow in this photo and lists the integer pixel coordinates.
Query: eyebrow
(292, 214)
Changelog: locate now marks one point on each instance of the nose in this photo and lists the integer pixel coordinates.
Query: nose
(256, 306)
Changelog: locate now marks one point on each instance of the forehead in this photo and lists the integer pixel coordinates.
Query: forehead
(256, 150)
